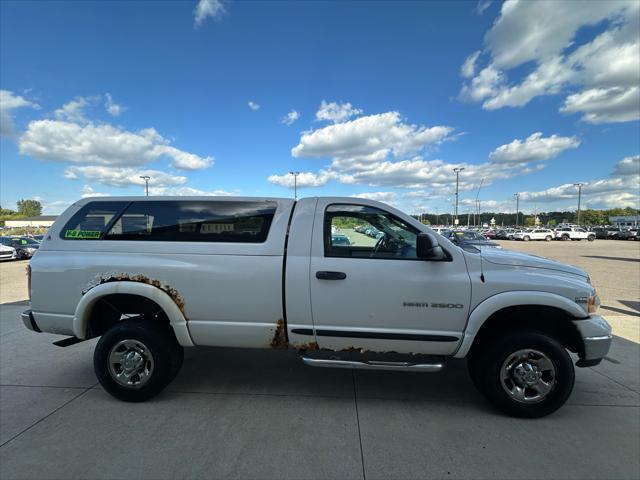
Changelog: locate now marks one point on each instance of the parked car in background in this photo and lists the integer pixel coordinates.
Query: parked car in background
(25, 247)
(534, 234)
(617, 233)
(489, 233)
(505, 234)
(469, 238)
(633, 234)
(574, 233)
(340, 240)
(7, 253)
(601, 232)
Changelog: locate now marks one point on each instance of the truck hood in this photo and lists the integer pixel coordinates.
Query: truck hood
(517, 259)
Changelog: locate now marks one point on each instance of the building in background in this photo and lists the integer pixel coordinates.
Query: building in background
(627, 221)
(39, 221)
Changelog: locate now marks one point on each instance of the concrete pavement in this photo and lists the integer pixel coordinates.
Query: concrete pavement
(262, 414)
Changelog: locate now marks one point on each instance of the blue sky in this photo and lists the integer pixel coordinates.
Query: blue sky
(378, 99)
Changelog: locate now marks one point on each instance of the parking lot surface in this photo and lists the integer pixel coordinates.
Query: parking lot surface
(234, 413)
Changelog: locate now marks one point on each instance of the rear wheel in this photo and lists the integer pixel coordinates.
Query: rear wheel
(591, 238)
(566, 238)
(136, 359)
(524, 374)
(548, 238)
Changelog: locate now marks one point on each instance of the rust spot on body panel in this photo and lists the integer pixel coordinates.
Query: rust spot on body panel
(279, 339)
(138, 277)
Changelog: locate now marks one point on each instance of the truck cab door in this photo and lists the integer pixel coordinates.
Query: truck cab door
(369, 290)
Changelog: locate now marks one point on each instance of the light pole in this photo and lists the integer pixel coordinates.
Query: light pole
(478, 203)
(579, 185)
(295, 184)
(457, 170)
(517, 195)
(146, 179)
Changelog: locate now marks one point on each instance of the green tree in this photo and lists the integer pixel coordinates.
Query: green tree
(29, 208)
(530, 221)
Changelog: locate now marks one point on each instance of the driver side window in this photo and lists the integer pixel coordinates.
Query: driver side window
(359, 231)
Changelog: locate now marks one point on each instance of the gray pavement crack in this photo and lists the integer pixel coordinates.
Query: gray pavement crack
(48, 415)
(355, 401)
(615, 381)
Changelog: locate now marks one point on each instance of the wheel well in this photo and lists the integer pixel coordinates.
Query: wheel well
(110, 309)
(552, 321)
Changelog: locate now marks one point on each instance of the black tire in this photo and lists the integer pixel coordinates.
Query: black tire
(526, 238)
(566, 238)
(591, 238)
(548, 238)
(485, 366)
(166, 357)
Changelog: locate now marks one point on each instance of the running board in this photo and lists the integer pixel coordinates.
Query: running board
(67, 342)
(374, 365)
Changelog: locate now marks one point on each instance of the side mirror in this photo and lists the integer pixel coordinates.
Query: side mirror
(427, 247)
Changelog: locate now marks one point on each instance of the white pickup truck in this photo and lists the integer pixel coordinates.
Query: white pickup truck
(153, 275)
(574, 233)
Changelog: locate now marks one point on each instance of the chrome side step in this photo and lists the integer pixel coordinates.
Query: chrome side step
(374, 365)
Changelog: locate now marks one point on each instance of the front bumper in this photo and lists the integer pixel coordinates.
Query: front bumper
(596, 339)
(29, 321)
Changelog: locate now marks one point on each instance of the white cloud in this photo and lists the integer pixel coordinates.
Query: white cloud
(369, 138)
(305, 179)
(124, 176)
(187, 192)
(468, 68)
(534, 148)
(290, 117)
(88, 191)
(620, 189)
(482, 5)
(628, 166)
(73, 111)
(382, 150)
(386, 197)
(10, 101)
(605, 105)
(541, 37)
(253, 105)
(106, 145)
(207, 9)
(111, 107)
(336, 112)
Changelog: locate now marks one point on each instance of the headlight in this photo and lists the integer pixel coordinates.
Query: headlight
(591, 304)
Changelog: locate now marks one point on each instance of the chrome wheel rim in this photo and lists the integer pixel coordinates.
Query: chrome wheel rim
(528, 376)
(130, 363)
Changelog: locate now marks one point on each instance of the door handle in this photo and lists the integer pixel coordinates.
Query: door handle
(324, 275)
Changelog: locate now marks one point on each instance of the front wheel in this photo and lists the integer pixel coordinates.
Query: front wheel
(524, 374)
(137, 358)
(526, 238)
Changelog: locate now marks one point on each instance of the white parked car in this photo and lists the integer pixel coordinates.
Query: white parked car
(574, 233)
(534, 234)
(150, 276)
(7, 253)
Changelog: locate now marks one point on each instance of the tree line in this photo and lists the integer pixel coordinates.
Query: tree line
(587, 217)
(25, 208)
